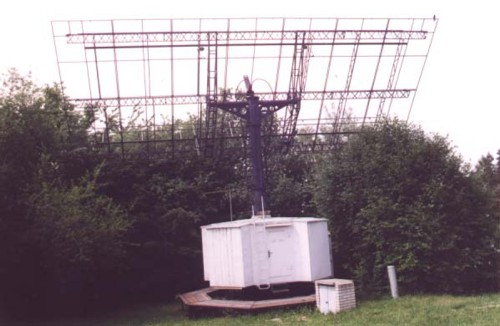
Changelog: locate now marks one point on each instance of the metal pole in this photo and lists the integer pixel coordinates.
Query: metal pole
(254, 123)
(391, 271)
(230, 205)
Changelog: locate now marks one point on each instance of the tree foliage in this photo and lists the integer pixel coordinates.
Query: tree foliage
(81, 228)
(290, 185)
(55, 226)
(487, 176)
(395, 196)
(79, 239)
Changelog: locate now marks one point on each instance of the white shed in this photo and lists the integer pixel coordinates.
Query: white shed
(265, 251)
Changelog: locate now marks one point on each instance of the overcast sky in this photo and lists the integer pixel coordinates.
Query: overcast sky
(457, 96)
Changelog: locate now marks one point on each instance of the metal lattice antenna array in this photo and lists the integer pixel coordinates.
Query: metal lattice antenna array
(154, 72)
(175, 85)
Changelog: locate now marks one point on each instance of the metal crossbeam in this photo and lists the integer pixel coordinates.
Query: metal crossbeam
(225, 36)
(195, 99)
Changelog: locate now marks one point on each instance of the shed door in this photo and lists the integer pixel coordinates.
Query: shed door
(280, 251)
(326, 299)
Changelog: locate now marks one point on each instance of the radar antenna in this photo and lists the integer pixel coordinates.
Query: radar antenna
(164, 87)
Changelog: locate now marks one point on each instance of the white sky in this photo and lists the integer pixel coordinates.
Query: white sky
(457, 96)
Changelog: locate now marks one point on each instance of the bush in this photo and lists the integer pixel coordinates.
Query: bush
(78, 238)
(395, 196)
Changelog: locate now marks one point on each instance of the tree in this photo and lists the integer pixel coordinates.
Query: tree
(487, 175)
(395, 196)
(289, 183)
(78, 239)
(38, 129)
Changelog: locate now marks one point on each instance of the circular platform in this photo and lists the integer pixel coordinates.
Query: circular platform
(202, 299)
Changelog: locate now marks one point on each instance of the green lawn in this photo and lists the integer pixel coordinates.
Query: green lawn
(409, 310)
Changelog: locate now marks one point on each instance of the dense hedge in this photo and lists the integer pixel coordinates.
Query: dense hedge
(396, 196)
(80, 230)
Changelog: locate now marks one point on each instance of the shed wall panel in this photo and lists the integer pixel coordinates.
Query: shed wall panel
(281, 254)
(207, 254)
(248, 261)
(226, 265)
(319, 251)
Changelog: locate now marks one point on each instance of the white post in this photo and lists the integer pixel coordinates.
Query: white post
(262, 203)
(230, 205)
(391, 270)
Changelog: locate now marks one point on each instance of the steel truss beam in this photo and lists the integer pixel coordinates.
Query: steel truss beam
(238, 36)
(195, 99)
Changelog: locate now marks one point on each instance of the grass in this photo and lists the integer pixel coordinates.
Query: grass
(408, 310)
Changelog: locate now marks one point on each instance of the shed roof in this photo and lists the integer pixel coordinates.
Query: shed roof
(268, 222)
